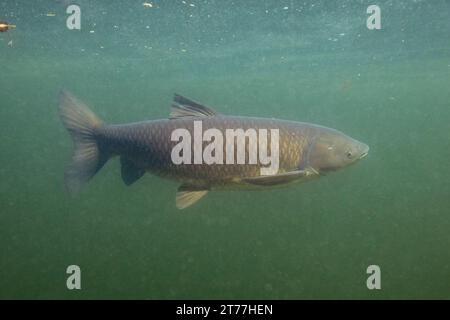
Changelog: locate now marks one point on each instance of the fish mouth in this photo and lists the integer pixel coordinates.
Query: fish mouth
(363, 155)
(365, 152)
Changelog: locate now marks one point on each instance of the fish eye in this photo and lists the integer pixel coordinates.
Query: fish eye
(349, 154)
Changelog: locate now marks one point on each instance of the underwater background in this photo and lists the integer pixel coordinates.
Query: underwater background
(312, 61)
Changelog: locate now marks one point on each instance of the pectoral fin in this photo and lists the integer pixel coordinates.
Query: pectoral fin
(188, 195)
(282, 178)
(130, 173)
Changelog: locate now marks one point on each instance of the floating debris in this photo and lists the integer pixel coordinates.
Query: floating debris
(147, 5)
(50, 14)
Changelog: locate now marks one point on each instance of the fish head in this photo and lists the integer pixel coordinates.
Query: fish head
(333, 150)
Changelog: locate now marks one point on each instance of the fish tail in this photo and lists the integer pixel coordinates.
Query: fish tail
(83, 126)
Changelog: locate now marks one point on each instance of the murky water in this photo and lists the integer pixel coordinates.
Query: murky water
(312, 61)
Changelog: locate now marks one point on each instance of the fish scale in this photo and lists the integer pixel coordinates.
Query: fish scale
(149, 145)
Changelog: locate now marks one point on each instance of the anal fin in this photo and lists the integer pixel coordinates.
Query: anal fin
(188, 195)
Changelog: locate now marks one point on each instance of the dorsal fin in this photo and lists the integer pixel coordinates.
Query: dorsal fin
(183, 107)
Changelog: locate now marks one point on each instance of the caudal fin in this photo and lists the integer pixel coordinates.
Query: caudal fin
(82, 125)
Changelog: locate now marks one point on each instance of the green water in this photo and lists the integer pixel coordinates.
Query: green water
(315, 61)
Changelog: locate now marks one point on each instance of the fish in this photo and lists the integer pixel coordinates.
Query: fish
(305, 151)
(5, 26)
